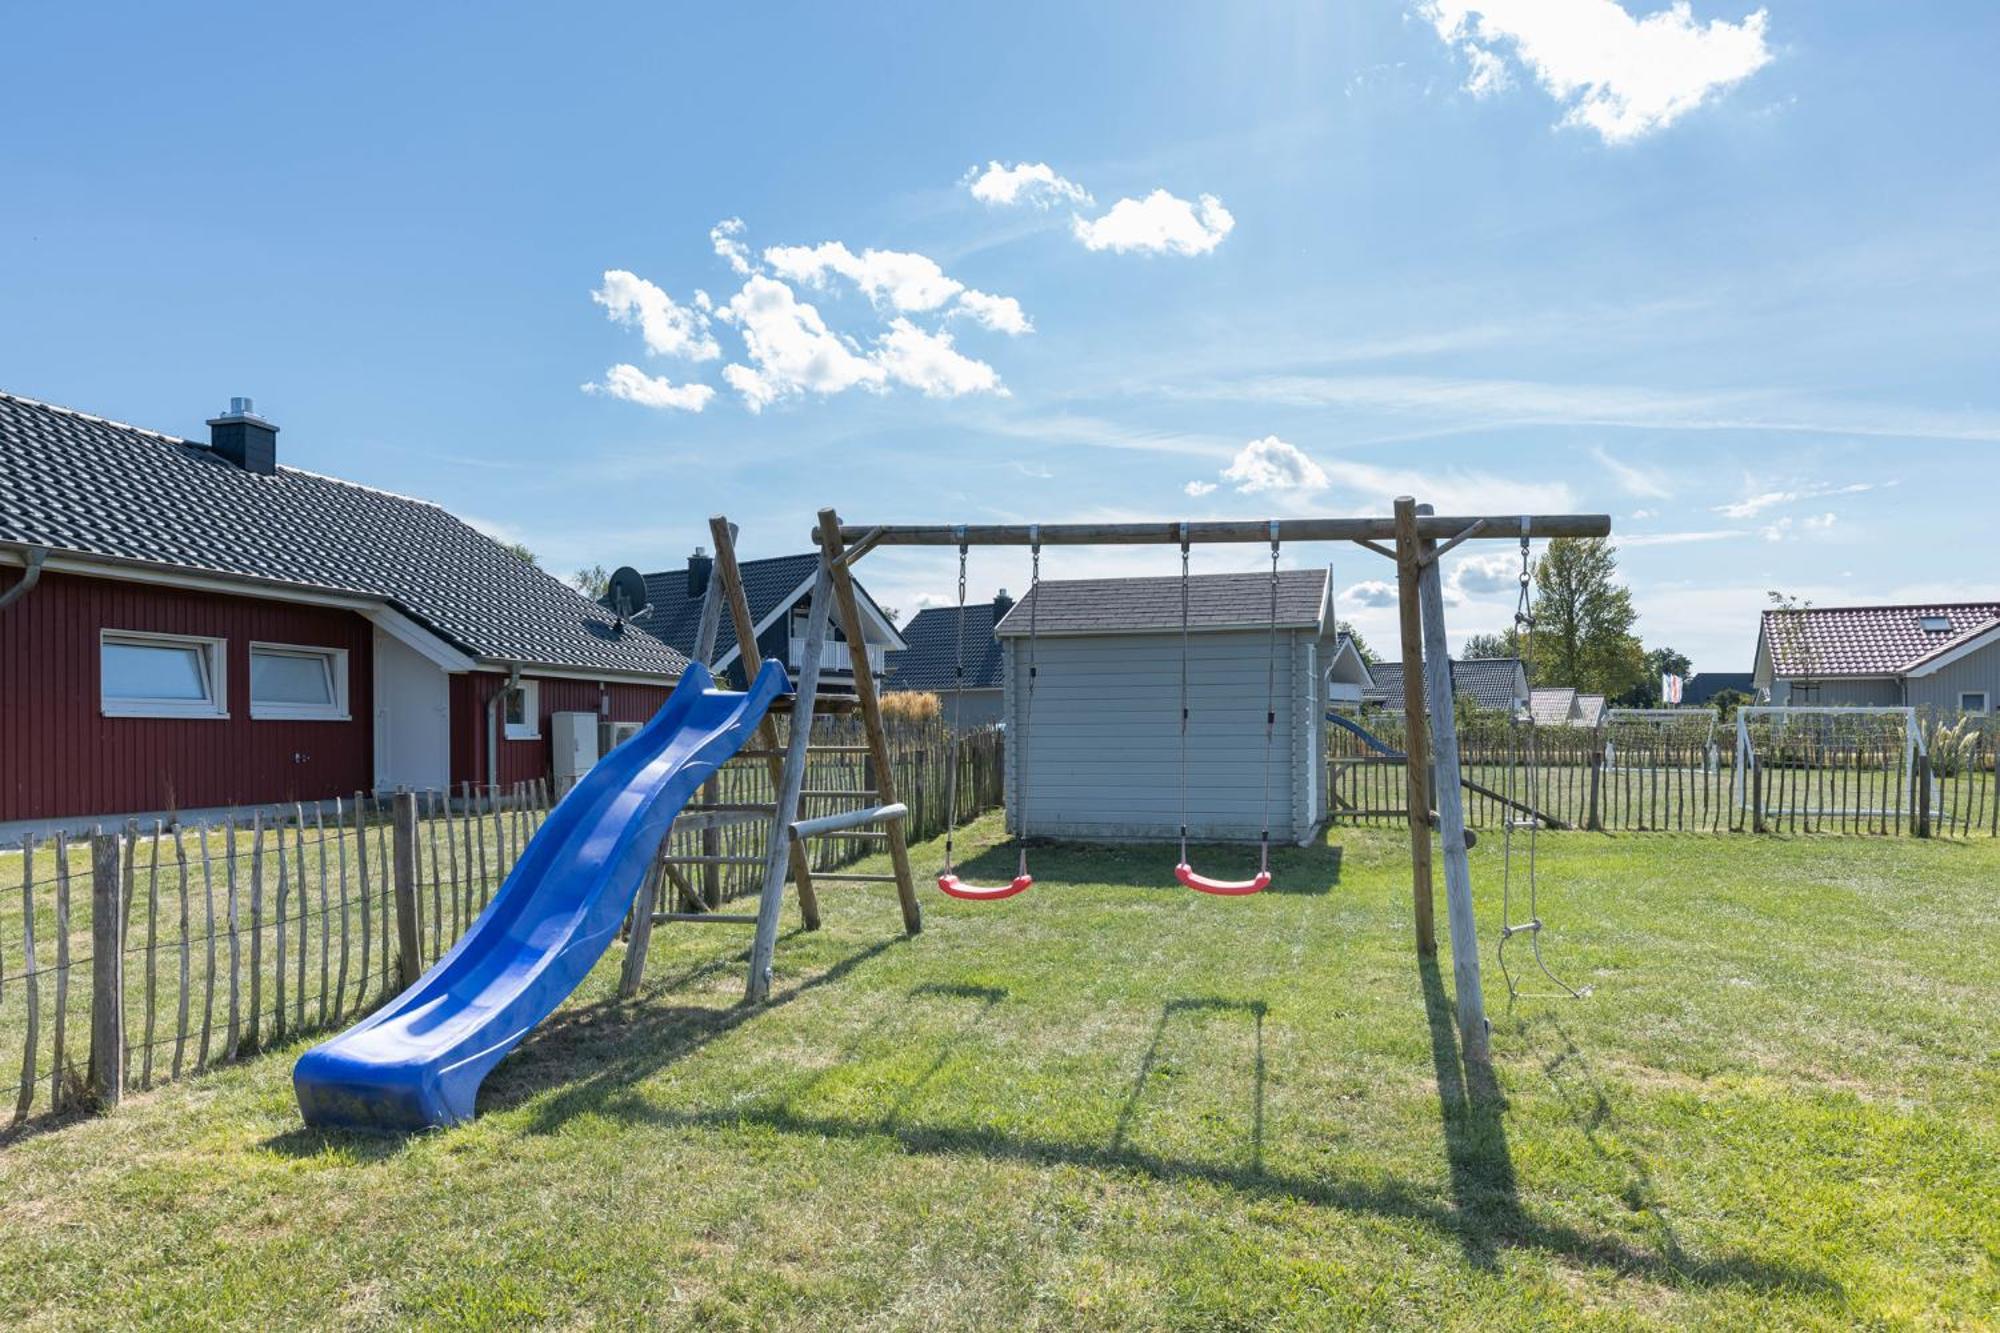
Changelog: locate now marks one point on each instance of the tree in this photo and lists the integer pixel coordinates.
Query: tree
(1507, 643)
(1726, 702)
(594, 582)
(1792, 648)
(1584, 620)
(1360, 644)
(1659, 662)
(520, 551)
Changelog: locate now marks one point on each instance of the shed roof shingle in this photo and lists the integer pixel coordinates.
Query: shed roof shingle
(1215, 602)
(85, 486)
(1868, 640)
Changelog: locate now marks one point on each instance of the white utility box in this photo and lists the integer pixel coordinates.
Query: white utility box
(574, 738)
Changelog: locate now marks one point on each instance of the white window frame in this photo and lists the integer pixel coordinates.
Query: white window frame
(530, 726)
(1985, 702)
(335, 660)
(215, 670)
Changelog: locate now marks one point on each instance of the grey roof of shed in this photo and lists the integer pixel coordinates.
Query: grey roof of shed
(1488, 681)
(1216, 602)
(84, 486)
(927, 664)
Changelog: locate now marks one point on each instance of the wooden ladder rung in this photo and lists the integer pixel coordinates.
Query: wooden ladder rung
(754, 753)
(731, 808)
(707, 918)
(875, 835)
(851, 878)
(714, 860)
(836, 749)
(829, 792)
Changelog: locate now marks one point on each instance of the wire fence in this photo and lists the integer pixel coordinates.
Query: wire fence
(181, 947)
(1845, 782)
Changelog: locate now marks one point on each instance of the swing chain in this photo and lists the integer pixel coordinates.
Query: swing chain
(1028, 712)
(1270, 703)
(1184, 689)
(957, 702)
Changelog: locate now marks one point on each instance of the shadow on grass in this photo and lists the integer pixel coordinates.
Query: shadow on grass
(1150, 865)
(1257, 1009)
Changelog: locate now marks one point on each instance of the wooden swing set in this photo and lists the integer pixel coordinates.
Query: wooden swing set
(1416, 539)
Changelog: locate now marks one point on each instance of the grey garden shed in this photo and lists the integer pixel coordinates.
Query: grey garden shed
(1102, 749)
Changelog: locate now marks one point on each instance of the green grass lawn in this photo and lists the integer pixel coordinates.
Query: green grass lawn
(1112, 1103)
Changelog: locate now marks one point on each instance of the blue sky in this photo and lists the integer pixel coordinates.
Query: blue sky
(1729, 274)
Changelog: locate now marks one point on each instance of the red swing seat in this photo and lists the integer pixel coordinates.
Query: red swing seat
(955, 887)
(1223, 888)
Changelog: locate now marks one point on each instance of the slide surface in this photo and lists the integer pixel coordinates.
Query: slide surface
(1367, 737)
(418, 1061)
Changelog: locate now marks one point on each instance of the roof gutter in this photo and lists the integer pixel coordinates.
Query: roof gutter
(32, 561)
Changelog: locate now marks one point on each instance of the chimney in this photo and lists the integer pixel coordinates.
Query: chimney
(700, 566)
(244, 438)
(1002, 603)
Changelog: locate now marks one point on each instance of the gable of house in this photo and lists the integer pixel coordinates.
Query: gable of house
(772, 587)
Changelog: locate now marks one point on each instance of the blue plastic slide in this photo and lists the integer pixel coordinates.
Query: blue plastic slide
(1367, 737)
(418, 1061)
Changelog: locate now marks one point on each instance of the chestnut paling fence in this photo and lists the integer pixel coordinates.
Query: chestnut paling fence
(146, 953)
(1859, 782)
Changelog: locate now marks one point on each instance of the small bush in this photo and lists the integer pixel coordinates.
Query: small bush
(907, 706)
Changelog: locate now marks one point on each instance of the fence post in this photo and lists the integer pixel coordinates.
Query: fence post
(1756, 796)
(408, 959)
(107, 972)
(1595, 823)
(1920, 773)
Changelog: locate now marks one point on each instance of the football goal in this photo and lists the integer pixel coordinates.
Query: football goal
(1822, 764)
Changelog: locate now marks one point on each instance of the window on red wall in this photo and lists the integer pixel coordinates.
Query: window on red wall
(521, 714)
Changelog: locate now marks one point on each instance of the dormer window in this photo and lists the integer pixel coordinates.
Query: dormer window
(1935, 624)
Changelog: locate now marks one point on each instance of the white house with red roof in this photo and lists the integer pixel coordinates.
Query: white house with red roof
(1943, 659)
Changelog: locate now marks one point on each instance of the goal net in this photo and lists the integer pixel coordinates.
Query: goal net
(1820, 763)
(1642, 738)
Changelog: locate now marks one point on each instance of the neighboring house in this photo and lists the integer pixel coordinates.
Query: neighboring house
(1944, 659)
(193, 626)
(1700, 690)
(1102, 750)
(1348, 677)
(1498, 683)
(1590, 710)
(1555, 706)
(779, 591)
(931, 661)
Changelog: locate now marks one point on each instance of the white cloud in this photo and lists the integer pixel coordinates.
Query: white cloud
(727, 238)
(1680, 538)
(1485, 575)
(1822, 523)
(1640, 514)
(1632, 478)
(1159, 223)
(1449, 490)
(636, 386)
(928, 362)
(1002, 314)
(1033, 183)
(669, 329)
(790, 348)
(1753, 505)
(901, 278)
(1199, 488)
(1620, 76)
(1271, 464)
(1372, 593)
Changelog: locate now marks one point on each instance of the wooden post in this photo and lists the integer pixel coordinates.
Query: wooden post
(871, 713)
(1416, 742)
(408, 963)
(1596, 824)
(1451, 816)
(723, 533)
(1920, 773)
(29, 979)
(792, 778)
(107, 972)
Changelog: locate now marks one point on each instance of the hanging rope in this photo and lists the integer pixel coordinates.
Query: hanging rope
(1524, 724)
(1184, 872)
(948, 881)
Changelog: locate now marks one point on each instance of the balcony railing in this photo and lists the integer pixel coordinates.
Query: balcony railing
(833, 656)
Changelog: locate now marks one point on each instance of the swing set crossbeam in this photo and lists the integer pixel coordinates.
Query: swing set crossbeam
(1255, 531)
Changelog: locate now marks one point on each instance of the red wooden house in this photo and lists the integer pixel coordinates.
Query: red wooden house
(188, 625)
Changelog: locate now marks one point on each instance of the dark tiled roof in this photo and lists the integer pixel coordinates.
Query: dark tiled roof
(1705, 686)
(81, 485)
(674, 617)
(1215, 602)
(1487, 681)
(1868, 640)
(928, 662)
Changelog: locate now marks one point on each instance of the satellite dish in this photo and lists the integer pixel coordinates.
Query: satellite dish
(627, 594)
